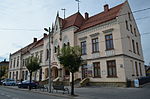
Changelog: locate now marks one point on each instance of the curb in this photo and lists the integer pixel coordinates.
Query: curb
(45, 93)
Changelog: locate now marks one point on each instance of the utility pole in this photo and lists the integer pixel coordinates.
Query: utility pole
(78, 4)
(64, 12)
(49, 60)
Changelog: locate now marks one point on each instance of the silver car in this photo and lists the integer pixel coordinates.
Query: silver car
(9, 82)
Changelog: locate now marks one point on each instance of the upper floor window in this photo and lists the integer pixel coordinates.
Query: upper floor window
(95, 47)
(109, 42)
(133, 45)
(18, 61)
(83, 47)
(127, 27)
(14, 62)
(131, 28)
(41, 56)
(137, 47)
(111, 68)
(135, 32)
(47, 54)
(96, 67)
(129, 15)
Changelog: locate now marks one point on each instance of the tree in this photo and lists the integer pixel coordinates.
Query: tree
(70, 58)
(32, 65)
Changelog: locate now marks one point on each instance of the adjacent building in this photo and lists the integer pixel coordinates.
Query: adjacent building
(110, 43)
(4, 69)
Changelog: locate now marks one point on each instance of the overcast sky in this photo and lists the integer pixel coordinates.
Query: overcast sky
(21, 20)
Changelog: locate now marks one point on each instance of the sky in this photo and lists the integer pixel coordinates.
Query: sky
(22, 20)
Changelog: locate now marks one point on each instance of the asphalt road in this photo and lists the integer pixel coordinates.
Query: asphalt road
(83, 93)
(7, 93)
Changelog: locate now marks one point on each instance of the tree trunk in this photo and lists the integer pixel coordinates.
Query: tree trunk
(30, 80)
(72, 84)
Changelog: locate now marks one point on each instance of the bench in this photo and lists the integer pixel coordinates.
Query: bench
(42, 87)
(60, 87)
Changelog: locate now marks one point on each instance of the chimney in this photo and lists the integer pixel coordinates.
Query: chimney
(34, 39)
(106, 7)
(44, 35)
(86, 16)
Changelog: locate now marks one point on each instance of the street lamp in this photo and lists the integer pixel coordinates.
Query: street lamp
(49, 56)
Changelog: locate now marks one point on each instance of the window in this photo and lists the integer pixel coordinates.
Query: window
(129, 42)
(22, 75)
(140, 69)
(11, 63)
(26, 75)
(129, 15)
(16, 75)
(136, 69)
(83, 47)
(111, 68)
(137, 47)
(14, 62)
(68, 44)
(58, 49)
(133, 45)
(96, 67)
(67, 73)
(109, 42)
(135, 32)
(23, 62)
(18, 61)
(47, 54)
(132, 65)
(95, 47)
(9, 74)
(41, 56)
(127, 25)
(131, 28)
(55, 49)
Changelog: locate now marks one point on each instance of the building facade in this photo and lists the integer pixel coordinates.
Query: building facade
(110, 43)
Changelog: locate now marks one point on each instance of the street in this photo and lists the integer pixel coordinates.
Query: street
(82, 93)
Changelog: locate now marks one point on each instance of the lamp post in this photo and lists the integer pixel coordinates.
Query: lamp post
(49, 56)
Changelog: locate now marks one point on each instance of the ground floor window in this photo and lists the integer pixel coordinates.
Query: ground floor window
(96, 67)
(111, 68)
(84, 71)
(16, 75)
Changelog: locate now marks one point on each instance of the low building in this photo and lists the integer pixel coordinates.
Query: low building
(4, 67)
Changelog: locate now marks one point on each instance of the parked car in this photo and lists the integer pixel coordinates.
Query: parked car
(9, 82)
(26, 84)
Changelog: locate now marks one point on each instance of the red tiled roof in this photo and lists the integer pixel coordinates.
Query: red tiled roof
(101, 17)
(73, 20)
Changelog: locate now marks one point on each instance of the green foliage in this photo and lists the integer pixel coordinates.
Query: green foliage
(33, 64)
(70, 58)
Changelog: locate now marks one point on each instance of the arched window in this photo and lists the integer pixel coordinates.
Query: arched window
(68, 44)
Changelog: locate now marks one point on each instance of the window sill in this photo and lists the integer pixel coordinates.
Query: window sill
(97, 77)
(83, 54)
(112, 76)
(109, 49)
(95, 52)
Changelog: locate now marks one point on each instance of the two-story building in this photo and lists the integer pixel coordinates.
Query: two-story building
(110, 43)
